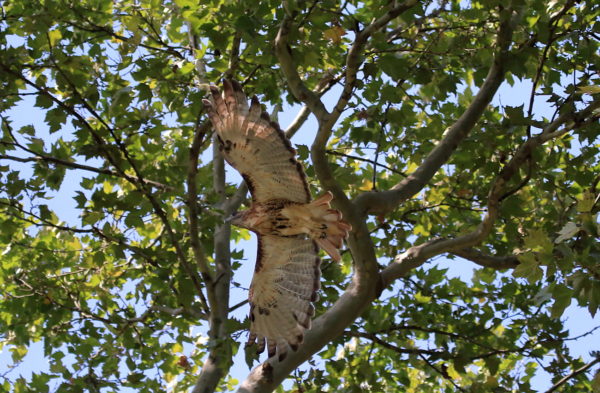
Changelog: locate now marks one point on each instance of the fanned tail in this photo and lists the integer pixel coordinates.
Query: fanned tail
(330, 229)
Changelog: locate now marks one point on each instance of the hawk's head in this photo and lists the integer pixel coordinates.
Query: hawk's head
(245, 219)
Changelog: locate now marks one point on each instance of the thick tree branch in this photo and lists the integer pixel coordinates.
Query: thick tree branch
(365, 285)
(491, 261)
(318, 150)
(267, 376)
(298, 121)
(417, 255)
(353, 59)
(219, 359)
(297, 87)
(383, 202)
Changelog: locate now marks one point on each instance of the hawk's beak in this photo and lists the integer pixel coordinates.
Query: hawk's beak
(237, 219)
(233, 219)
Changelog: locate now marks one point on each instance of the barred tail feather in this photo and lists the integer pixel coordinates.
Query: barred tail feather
(329, 229)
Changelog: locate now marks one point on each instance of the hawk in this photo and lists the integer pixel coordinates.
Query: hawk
(289, 226)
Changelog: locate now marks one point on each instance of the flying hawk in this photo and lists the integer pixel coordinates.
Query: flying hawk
(288, 225)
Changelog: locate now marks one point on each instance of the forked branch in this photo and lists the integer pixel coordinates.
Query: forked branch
(381, 203)
(419, 254)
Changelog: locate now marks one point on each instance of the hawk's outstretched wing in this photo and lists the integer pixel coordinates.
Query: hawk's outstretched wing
(286, 275)
(256, 146)
(285, 282)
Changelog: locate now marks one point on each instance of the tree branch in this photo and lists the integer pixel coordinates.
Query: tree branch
(419, 254)
(39, 221)
(412, 351)
(192, 204)
(138, 181)
(297, 87)
(318, 151)
(572, 375)
(365, 285)
(491, 261)
(39, 157)
(94, 28)
(372, 162)
(219, 359)
(380, 203)
(443, 373)
(353, 59)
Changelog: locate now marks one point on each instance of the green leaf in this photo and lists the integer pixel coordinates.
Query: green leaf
(250, 355)
(589, 89)
(562, 299)
(18, 353)
(516, 115)
(493, 364)
(528, 268)
(586, 202)
(54, 36)
(569, 230)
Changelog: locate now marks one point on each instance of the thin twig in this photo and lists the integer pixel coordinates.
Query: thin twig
(373, 162)
(572, 375)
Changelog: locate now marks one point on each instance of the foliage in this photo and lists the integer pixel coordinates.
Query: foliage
(119, 293)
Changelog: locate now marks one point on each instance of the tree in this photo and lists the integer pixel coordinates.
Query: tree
(423, 161)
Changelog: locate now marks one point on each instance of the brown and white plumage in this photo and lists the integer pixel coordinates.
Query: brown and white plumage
(256, 146)
(285, 283)
(289, 226)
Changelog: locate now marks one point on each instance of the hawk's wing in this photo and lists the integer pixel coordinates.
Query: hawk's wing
(285, 282)
(256, 146)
